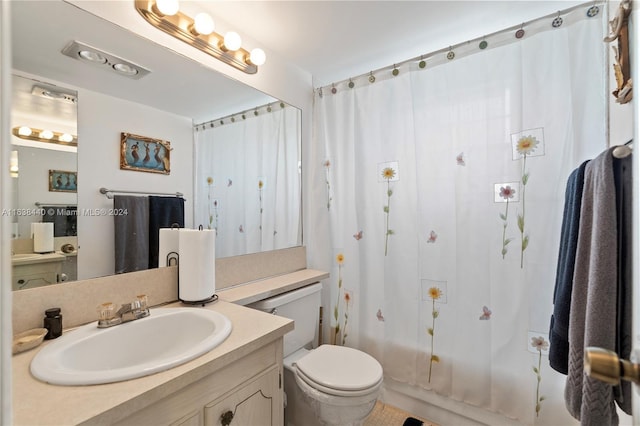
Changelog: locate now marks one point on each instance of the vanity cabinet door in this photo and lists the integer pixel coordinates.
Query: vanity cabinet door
(36, 275)
(257, 403)
(192, 419)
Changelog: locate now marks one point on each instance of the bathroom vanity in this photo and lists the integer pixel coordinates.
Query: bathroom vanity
(34, 270)
(241, 376)
(31, 270)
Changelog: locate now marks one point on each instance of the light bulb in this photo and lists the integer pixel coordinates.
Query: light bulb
(257, 56)
(24, 131)
(46, 134)
(232, 41)
(65, 137)
(92, 56)
(167, 7)
(125, 69)
(13, 162)
(203, 24)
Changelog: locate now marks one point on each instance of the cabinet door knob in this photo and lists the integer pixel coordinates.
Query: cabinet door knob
(605, 365)
(226, 418)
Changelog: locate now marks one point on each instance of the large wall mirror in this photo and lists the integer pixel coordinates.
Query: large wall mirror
(227, 183)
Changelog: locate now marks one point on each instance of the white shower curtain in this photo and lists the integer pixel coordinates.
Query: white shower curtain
(248, 181)
(441, 191)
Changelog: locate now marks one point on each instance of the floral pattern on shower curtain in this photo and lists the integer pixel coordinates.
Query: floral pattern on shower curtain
(247, 182)
(440, 278)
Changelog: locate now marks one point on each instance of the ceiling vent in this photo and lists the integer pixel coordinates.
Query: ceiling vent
(55, 95)
(104, 60)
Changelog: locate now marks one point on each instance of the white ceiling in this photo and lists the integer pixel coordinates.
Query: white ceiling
(41, 29)
(332, 40)
(335, 40)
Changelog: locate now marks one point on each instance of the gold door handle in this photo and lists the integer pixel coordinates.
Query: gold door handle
(605, 365)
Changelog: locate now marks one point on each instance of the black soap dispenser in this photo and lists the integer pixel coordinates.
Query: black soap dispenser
(53, 323)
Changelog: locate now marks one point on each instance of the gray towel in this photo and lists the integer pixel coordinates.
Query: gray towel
(592, 320)
(131, 233)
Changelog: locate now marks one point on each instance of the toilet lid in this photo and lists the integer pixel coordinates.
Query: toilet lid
(340, 368)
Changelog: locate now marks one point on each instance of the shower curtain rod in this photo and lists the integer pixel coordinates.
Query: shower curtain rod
(222, 120)
(109, 193)
(451, 48)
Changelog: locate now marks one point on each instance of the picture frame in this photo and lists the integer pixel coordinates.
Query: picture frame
(144, 154)
(63, 181)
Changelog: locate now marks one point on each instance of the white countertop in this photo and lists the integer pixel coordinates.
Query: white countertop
(247, 293)
(32, 258)
(39, 403)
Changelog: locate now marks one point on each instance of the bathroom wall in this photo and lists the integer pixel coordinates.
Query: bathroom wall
(6, 410)
(101, 119)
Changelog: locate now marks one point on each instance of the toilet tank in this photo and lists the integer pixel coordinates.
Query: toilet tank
(302, 306)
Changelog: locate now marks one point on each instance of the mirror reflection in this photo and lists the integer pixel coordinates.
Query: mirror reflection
(248, 180)
(161, 107)
(44, 182)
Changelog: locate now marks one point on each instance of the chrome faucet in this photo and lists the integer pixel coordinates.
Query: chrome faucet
(109, 317)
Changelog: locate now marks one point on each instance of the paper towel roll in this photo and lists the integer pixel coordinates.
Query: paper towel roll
(42, 234)
(197, 269)
(167, 243)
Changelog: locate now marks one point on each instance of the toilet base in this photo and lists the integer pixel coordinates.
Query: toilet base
(297, 411)
(301, 410)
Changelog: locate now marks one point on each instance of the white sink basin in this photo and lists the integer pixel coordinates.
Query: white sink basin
(165, 339)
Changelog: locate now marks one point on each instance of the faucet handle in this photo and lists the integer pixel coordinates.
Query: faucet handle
(106, 311)
(141, 301)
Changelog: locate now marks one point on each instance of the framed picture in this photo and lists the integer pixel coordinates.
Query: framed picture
(63, 181)
(144, 154)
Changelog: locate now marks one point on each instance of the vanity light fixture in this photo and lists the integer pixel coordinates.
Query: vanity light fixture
(199, 33)
(104, 60)
(44, 135)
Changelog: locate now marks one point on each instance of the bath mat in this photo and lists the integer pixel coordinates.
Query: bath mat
(388, 415)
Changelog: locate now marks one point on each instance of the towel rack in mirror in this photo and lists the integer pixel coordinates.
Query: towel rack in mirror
(109, 193)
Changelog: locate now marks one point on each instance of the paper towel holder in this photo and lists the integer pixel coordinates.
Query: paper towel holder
(173, 259)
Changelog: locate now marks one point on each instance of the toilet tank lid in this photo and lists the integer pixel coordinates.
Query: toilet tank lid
(284, 298)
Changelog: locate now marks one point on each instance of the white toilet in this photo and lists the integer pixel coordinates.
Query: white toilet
(329, 385)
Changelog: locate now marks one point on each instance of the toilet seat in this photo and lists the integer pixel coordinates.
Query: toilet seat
(340, 371)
